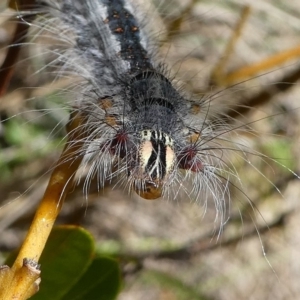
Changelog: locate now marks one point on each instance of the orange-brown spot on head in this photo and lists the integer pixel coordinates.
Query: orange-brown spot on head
(134, 28)
(119, 30)
(105, 103)
(194, 137)
(151, 191)
(110, 120)
(195, 109)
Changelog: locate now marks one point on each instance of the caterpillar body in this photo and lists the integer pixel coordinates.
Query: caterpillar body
(142, 128)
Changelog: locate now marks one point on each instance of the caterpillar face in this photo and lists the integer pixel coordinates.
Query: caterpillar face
(156, 161)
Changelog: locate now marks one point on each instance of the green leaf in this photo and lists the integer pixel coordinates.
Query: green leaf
(70, 269)
(281, 151)
(100, 282)
(68, 254)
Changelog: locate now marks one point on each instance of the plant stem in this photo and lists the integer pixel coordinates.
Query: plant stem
(59, 185)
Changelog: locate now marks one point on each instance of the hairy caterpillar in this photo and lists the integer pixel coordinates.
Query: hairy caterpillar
(203, 163)
(142, 129)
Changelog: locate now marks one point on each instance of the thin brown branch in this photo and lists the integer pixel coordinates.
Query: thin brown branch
(283, 85)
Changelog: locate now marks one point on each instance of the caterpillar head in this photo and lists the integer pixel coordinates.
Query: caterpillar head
(155, 163)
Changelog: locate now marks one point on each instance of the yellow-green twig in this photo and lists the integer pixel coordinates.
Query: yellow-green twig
(19, 281)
